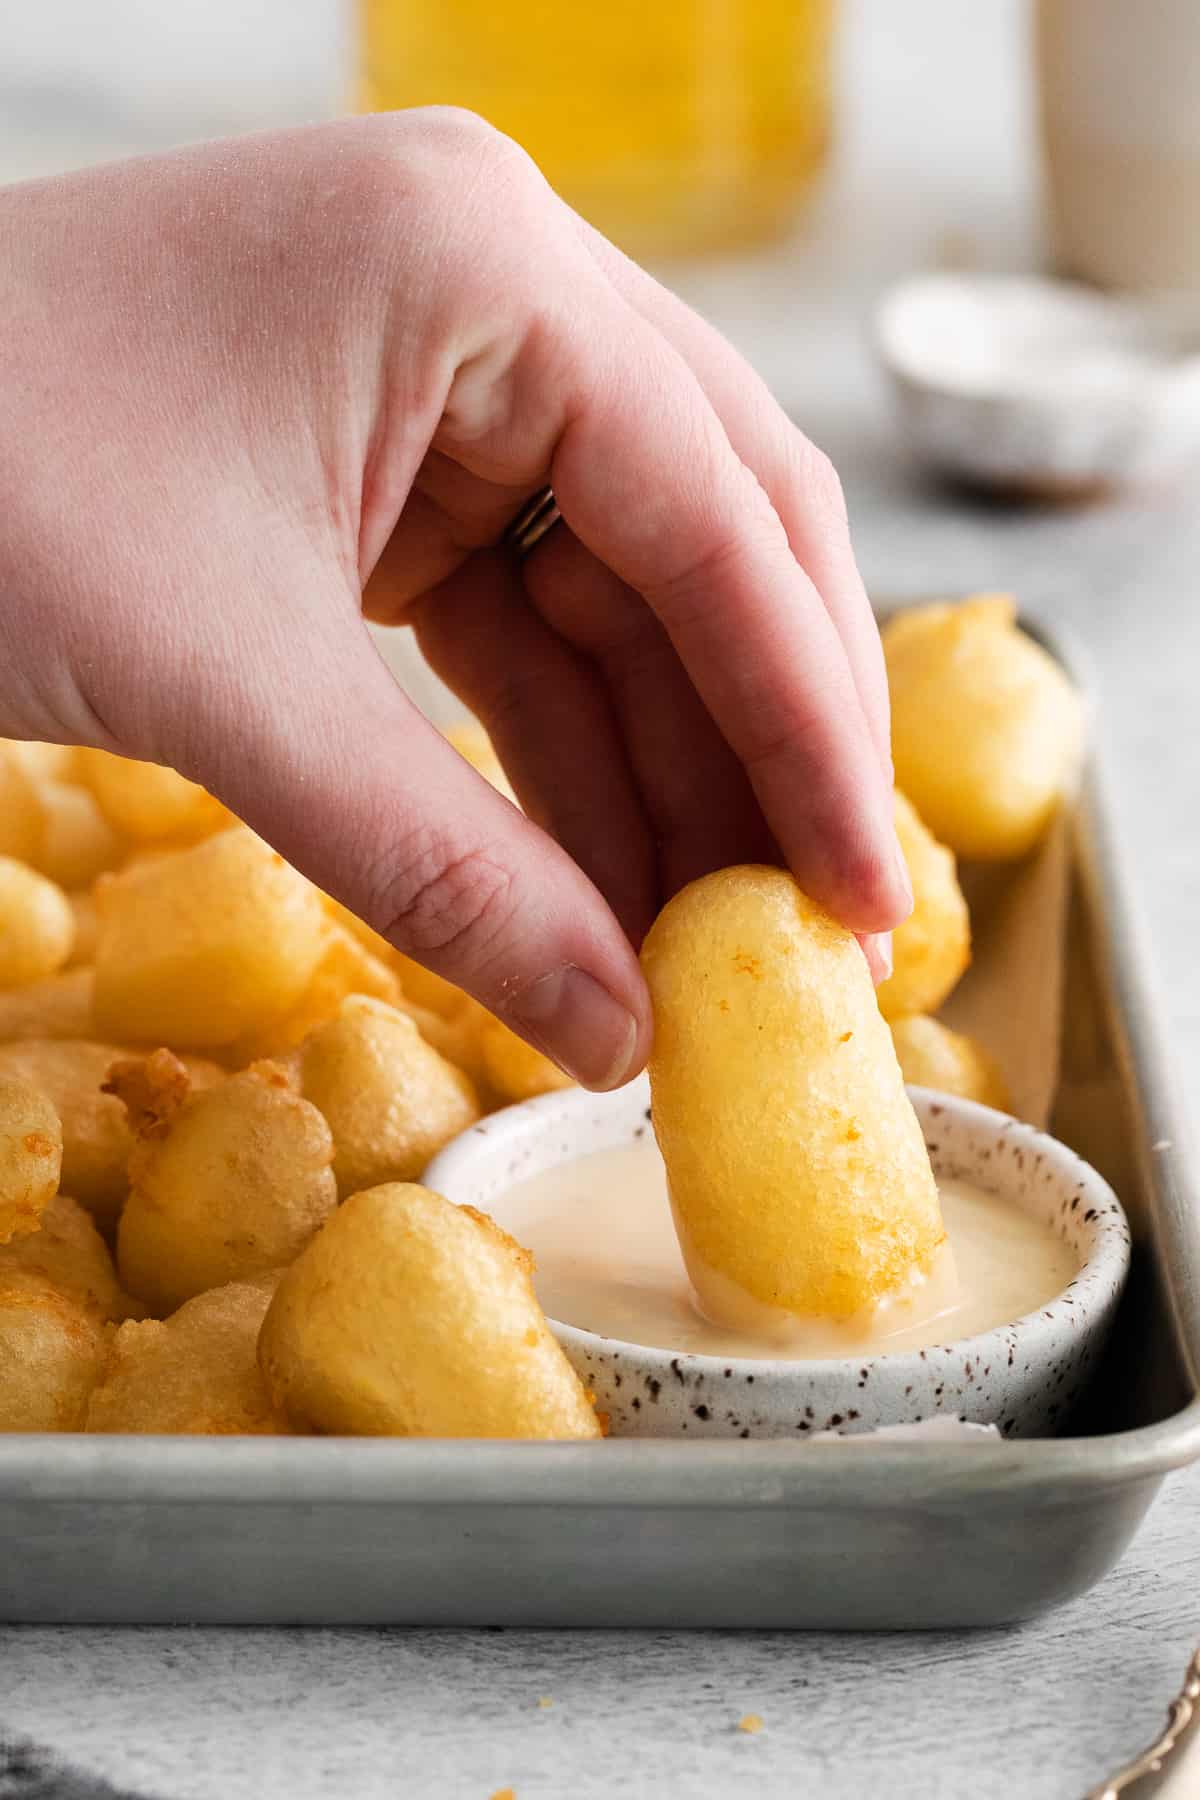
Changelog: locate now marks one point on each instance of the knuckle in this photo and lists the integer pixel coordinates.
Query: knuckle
(456, 130)
(817, 480)
(455, 126)
(428, 159)
(462, 151)
(451, 209)
(437, 900)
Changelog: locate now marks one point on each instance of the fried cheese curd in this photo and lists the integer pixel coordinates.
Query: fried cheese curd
(986, 727)
(420, 989)
(225, 1184)
(446, 1017)
(424, 988)
(932, 948)
(346, 967)
(419, 986)
(60, 1006)
(456, 1036)
(515, 1070)
(797, 1170)
(77, 842)
(201, 946)
(195, 1373)
(96, 1138)
(933, 1056)
(42, 762)
(51, 1353)
(390, 1100)
(87, 930)
(67, 1252)
(408, 1316)
(37, 926)
(30, 1156)
(20, 810)
(147, 801)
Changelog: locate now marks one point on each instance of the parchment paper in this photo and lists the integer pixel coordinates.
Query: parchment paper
(1011, 996)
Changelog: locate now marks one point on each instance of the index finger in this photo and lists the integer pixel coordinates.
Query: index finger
(646, 477)
(801, 486)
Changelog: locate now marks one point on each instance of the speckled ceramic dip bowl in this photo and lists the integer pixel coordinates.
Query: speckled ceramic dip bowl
(1023, 1377)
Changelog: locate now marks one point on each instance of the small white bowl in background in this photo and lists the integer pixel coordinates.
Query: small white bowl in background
(1023, 1376)
(1041, 387)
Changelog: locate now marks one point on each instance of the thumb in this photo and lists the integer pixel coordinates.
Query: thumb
(302, 730)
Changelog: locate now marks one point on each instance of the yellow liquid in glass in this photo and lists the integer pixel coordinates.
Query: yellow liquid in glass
(676, 127)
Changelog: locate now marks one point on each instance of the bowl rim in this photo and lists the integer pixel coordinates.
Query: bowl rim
(931, 290)
(1104, 1268)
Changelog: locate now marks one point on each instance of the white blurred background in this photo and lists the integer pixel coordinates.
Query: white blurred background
(932, 104)
(85, 77)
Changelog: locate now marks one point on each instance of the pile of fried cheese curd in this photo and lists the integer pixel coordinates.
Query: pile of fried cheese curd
(219, 1089)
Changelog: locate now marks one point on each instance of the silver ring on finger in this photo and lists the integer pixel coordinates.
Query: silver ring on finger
(531, 524)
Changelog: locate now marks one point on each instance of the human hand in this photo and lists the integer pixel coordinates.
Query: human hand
(253, 388)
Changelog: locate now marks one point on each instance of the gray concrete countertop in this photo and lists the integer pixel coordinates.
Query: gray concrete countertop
(934, 150)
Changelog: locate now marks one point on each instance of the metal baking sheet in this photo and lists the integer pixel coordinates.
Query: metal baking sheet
(645, 1533)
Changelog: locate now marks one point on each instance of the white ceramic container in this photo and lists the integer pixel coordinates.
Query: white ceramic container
(1041, 388)
(1023, 1376)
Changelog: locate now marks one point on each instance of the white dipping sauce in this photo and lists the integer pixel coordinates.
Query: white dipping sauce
(608, 1260)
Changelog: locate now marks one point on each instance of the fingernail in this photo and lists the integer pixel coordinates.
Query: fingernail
(579, 1025)
(902, 873)
(877, 948)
